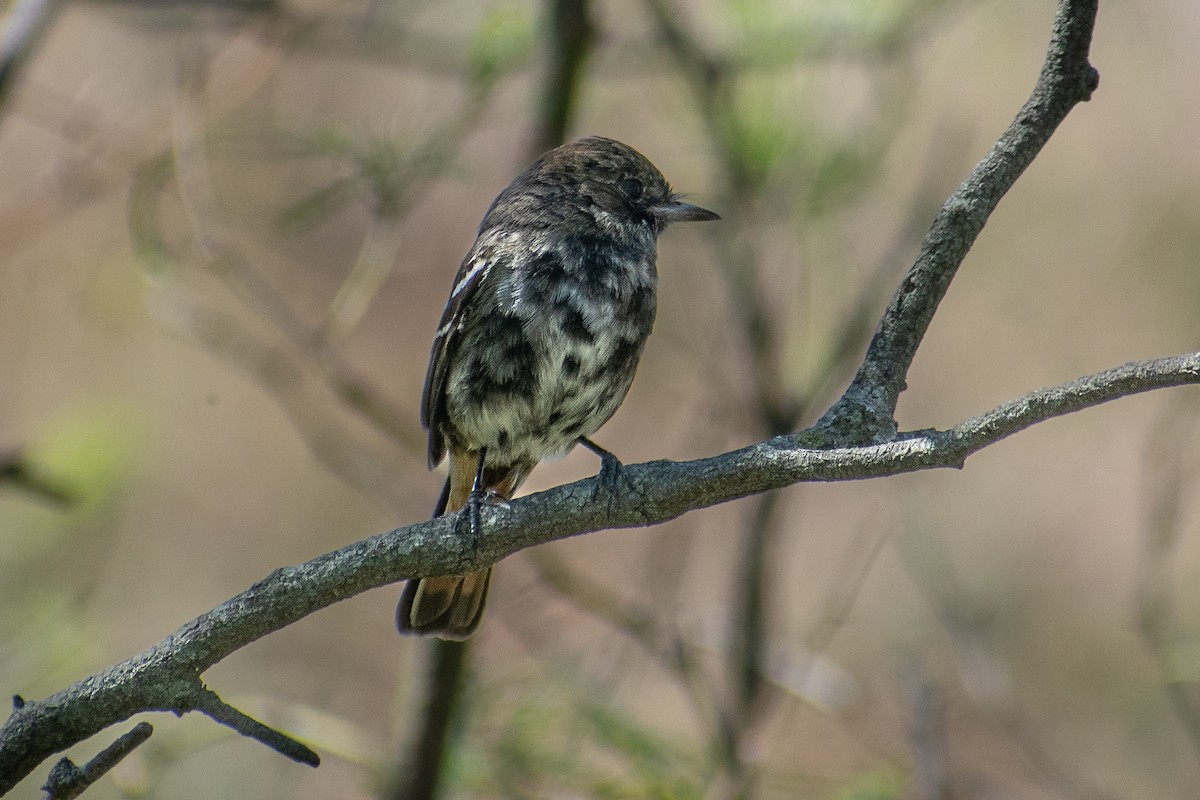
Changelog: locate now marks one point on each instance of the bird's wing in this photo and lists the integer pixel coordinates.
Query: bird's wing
(471, 275)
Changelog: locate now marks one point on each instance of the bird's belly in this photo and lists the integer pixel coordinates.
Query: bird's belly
(571, 389)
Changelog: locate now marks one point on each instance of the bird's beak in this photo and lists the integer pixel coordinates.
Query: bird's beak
(678, 211)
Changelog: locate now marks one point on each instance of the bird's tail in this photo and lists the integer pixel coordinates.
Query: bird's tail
(451, 606)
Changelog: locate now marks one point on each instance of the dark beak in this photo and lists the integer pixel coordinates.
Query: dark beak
(678, 211)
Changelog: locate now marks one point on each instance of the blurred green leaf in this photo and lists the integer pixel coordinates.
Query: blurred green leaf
(89, 453)
(384, 167)
(91, 450)
(145, 228)
(389, 166)
(553, 736)
(662, 768)
(46, 640)
(317, 205)
(885, 783)
(773, 34)
(504, 40)
(762, 138)
(837, 172)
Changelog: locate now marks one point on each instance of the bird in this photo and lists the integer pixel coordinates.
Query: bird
(539, 341)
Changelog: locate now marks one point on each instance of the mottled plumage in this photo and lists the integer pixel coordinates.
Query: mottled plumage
(540, 339)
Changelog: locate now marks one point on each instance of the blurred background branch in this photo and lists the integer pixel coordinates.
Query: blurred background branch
(1170, 477)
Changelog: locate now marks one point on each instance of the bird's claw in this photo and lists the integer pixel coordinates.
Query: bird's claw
(494, 498)
(608, 480)
(470, 518)
(610, 473)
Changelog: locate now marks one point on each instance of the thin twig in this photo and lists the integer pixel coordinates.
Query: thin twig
(207, 702)
(27, 21)
(67, 781)
(16, 470)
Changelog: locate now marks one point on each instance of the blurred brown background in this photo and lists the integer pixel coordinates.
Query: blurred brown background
(228, 231)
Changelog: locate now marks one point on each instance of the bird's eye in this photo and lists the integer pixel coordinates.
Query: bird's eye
(631, 188)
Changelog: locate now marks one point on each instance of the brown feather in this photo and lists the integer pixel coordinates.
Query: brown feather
(451, 606)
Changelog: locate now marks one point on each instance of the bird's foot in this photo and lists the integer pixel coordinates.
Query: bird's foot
(470, 517)
(608, 480)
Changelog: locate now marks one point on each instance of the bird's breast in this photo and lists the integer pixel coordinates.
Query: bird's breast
(553, 358)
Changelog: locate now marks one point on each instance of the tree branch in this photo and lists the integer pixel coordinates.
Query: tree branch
(570, 34)
(867, 407)
(164, 678)
(856, 439)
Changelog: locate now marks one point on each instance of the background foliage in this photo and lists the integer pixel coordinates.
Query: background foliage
(230, 230)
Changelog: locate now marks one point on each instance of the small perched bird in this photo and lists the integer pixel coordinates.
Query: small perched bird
(540, 339)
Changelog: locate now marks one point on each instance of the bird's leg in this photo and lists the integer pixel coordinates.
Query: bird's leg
(475, 501)
(610, 466)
